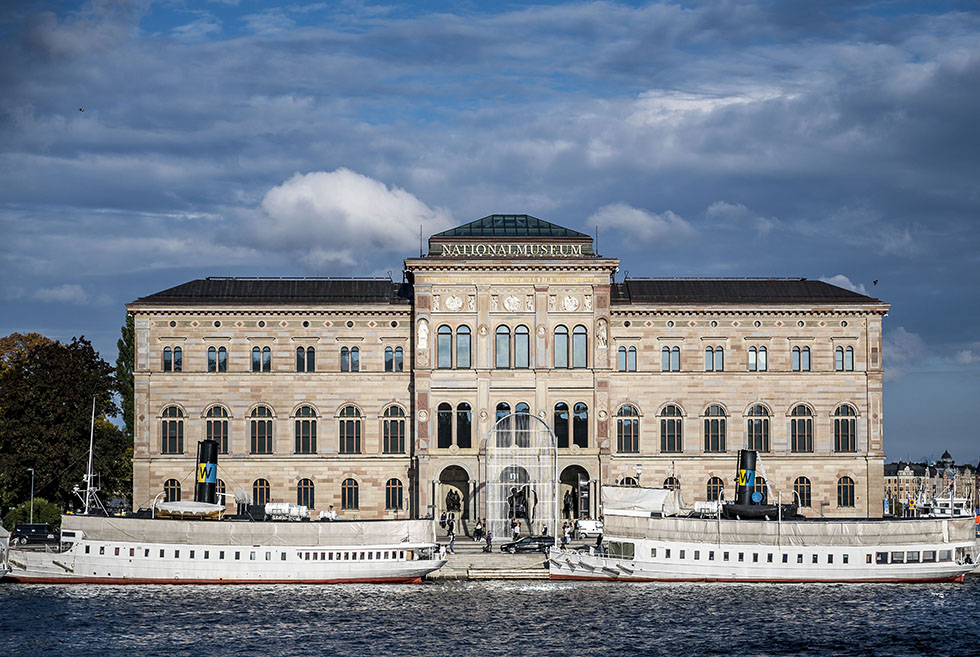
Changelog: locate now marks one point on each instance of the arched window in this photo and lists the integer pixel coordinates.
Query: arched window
(266, 359)
(300, 359)
(670, 359)
(168, 359)
(671, 430)
(757, 428)
(222, 490)
(393, 495)
(216, 427)
(561, 346)
(561, 424)
(261, 359)
(260, 492)
(672, 483)
(355, 359)
(393, 431)
(171, 490)
(629, 481)
(178, 359)
(348, 494)
(444, 347)
(503, 346)
(845, 433)
(522, 347)
(444, 425)
(627, 359)
(260, 430)
(504, 437)
(580, 425)
(305, 430)
(801, 359)
(217, 359)
(464, 423)
(714, 429)
(580, 346)
(350, 430)
(845, 492)
(628, 430)
(714, 359)
(801, 429)
(304, 493)
(222, 359)
(345, 359)
(621, 361)
(305, 359)
(715, 486)
(522, 424)
(761, 488)
(399, 359)
(172, 431)
(802, 489)
(389, 359)
(758, 359)
(844, 359)
(463, 348)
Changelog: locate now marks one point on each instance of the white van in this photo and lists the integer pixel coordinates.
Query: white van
(588, 528)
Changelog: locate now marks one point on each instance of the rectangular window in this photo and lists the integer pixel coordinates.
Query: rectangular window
(898, 557)
(161, 554)
(711, 555)
(799, 558)
(666, 553)
(238, 556)
(945, 555)
(683, 554)
(881, 557)
(146, 553)
(268, 556)
(251, 556)
(282, 556)
(785, 558)
(769, 558)
(815, 558)
(87, 549)
(176, 554)
(830, 558)
(117, 552)
(725, 556)
(929, 556)
(844, 557)
(755, 557)
(912, 557)
(503, 349)
(741, 556)
(192, 554)
(867, 558)
(697, 555)
(522, 348)
(653, 553)
(221, 554)
(207, 554)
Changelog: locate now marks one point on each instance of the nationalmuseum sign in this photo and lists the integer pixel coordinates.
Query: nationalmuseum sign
(509, 250)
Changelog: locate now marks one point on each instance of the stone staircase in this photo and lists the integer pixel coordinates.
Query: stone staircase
(471, 563)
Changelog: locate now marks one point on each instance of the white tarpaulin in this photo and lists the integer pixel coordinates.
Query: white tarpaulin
(640, 501)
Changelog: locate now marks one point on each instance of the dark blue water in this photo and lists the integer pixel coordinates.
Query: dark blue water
(495, 618)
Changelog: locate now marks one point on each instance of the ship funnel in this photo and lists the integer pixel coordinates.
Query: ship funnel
(206, 489)
(746, 477)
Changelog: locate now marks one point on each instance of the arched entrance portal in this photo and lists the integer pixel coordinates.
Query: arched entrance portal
(521, 475)
(453, 494)
(574, 490)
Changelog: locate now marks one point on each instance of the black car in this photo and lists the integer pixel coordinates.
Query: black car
(34, 533)
(529, 544)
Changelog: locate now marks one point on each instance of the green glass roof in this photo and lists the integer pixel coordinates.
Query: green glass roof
(510, 225)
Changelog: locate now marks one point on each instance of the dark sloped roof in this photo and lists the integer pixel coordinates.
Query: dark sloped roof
(761, 290)
(510, 225)
(284, 290)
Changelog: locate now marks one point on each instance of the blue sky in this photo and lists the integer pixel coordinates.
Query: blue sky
(834, 140)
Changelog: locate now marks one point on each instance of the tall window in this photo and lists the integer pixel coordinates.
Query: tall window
(672, 483)
(350, 359)
(628, 430)
(845, 492)
(305, 359)
(671, 436)
(844, 359)
(503, 346)
(348, 494)
(350, 430)
(305, 430)
(801, 359)
(173, 359)
(801, 429)
(261, 359)
(304, 493)
(394, 359)
(260, 492)
(171, 490)
(580, 346)
(714, 429)
(393, 495)
(580, 425)
(627, 359)
(802, 489)
(222, 490)
(216, 427)
(845, 434)
(758, 359)
(522, 347)
(444, 425)
(561, 424)
(561, 346)
(522, 424)
(260, 430)
(393, 430)
(444, 347)
(670, 359)
(464, 423)
(172, 431)
(757, 428)
(714, 359)
(503, 436)
(217, 359)
(715, 485)
(463, 349)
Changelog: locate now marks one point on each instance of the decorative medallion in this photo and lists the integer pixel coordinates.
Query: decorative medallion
(541, 330)
(648, 324)
(692, 323)
(603, 415)
(735, 323)
(194, 323)
(283, 323)
(372, 324)
(328, 323)
(512, 304)
(239, 324)
(569, 303)
(423, 415)
(454, 303)
(823, 323)
(483, 329)
(483, 415)
(542, 414)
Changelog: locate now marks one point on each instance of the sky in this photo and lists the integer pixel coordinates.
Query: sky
(144, 144)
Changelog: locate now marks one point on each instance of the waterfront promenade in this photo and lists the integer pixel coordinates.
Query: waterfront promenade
(471, 563)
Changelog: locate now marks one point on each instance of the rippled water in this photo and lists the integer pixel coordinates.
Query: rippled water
(493, 618)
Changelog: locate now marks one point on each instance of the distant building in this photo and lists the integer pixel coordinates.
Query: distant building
(376, 396)
(907, 483)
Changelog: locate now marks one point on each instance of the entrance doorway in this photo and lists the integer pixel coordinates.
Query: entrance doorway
(575, 491)
(452, 495)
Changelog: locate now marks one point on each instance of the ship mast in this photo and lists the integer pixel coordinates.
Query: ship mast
(88, 472)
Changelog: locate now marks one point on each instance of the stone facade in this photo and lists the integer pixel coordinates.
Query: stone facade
(483, 290)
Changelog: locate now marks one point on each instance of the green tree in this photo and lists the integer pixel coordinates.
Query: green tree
(44, 511)
(46, 393)
(125, 364)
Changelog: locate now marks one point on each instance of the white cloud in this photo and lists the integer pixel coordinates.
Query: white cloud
(67, 293)
(205, 26)
(641, 226)
(840, 280)
(902, 350)
(967, 357)
(733, 213)
(342, 217)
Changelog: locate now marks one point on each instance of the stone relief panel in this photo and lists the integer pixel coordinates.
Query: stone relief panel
(454, 303)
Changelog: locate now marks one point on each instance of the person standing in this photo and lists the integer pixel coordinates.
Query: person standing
(517, 529)
(452, 541)
(489, 547)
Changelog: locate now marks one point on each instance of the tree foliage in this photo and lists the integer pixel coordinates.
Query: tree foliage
(125, 364)
(46, 393)
(44, 511)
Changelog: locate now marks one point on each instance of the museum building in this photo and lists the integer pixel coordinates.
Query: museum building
(377, 396)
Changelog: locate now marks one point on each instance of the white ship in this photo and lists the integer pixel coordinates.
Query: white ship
(651, 537)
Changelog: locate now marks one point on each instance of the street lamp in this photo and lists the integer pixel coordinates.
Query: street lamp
(31, 470)
(639, 471)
